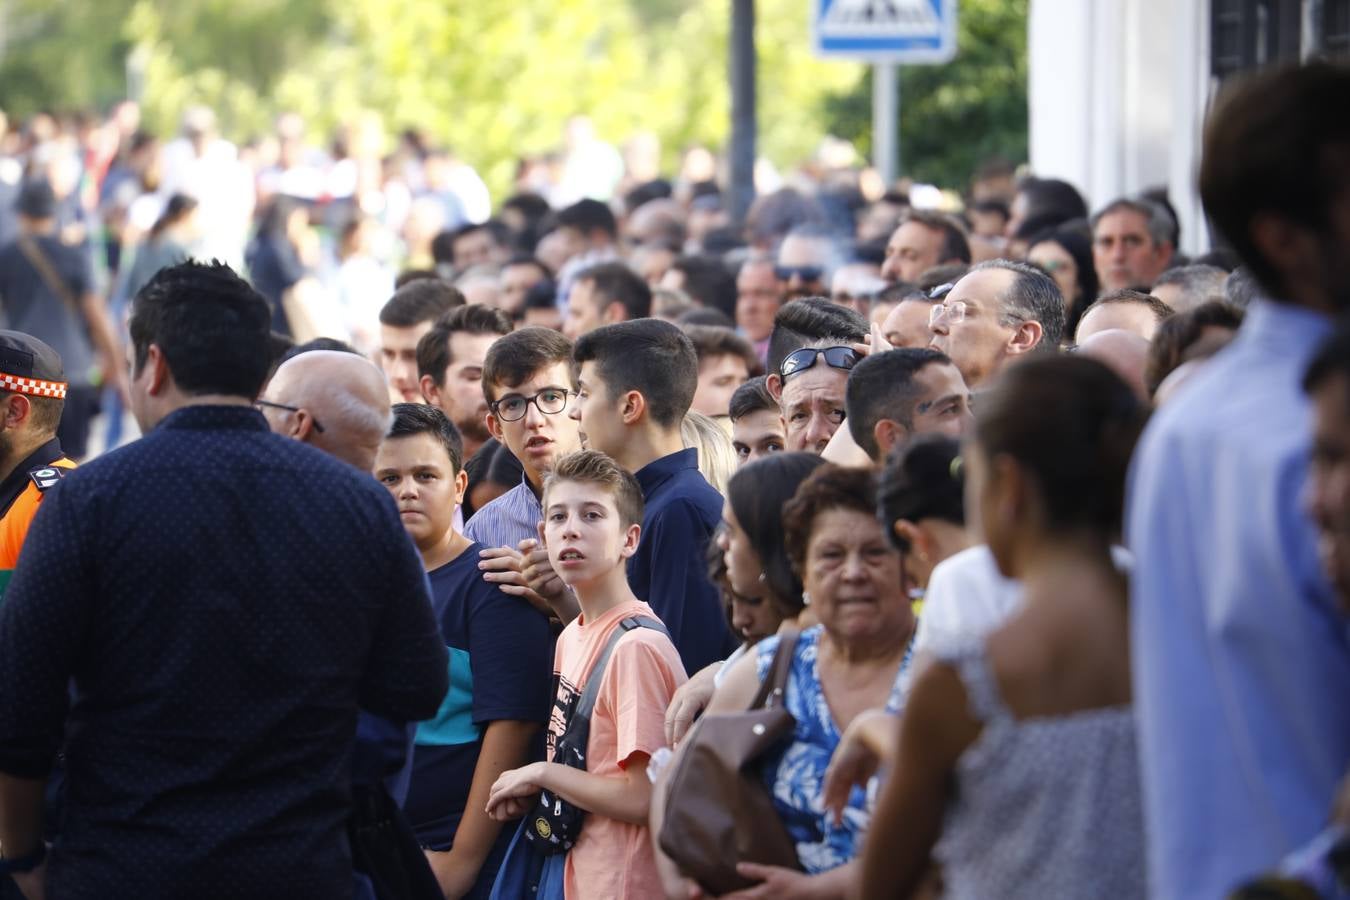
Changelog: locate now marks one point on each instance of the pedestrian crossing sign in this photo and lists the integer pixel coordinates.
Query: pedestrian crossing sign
(884, 31)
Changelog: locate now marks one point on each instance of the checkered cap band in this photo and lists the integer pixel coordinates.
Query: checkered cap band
(34, 387)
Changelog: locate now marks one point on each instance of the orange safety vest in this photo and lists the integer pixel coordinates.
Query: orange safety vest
(14, 522)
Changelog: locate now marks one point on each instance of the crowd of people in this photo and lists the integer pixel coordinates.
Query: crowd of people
(451, 527)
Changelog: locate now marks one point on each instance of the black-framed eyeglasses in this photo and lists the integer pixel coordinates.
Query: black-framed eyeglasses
(800, 360)
(512, 407)
(293, 409)
(805, 273)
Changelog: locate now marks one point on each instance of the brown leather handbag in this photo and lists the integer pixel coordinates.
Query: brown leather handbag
(718, 810)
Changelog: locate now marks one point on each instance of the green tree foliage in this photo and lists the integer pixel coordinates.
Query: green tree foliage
(954, 116)
(497, 80)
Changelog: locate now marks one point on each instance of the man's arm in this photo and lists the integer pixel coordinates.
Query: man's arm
(626, 796)
(671, 560)
(21, 801)
(105, 340)
(407, 674)
(506, 746)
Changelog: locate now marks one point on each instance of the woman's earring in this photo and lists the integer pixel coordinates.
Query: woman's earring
(806, 599)
(763, 578)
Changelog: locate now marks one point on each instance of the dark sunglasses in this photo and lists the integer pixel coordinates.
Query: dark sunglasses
(805, 273)
(800, 360)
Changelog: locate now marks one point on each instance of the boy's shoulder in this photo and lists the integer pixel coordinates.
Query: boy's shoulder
(460, 581)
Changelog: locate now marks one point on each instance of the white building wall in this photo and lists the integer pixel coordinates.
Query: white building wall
(1117, 90)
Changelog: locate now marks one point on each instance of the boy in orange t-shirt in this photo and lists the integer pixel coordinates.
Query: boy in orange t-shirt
(592, 511)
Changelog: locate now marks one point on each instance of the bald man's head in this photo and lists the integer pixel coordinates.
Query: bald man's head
(1123, 352)
(338, 402)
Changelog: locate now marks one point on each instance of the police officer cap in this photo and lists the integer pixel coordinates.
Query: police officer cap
(24, 356)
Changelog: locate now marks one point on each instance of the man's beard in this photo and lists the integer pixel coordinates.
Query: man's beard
(473, 428)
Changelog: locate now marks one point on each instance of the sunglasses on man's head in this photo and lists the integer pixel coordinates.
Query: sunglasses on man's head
(805, 273)
(800, 360)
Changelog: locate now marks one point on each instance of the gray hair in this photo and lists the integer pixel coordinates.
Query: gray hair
(1241, 287)
(1162, 228)
(1032, 297)
(1197, 283)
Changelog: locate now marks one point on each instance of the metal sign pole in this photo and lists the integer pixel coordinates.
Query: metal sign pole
(885, 122)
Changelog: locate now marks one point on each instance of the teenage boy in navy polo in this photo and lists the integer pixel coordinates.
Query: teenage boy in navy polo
(636, 382)
(501, 652)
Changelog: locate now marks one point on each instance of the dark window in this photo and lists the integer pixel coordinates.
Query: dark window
(1246, 34)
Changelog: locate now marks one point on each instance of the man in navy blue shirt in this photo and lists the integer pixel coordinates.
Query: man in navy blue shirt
(637, 381)
(203, 612)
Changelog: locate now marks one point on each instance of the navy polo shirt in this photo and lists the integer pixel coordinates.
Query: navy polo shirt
(670, 569)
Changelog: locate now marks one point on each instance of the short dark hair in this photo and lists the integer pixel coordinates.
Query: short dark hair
(881, 386)
(708, 281)
(212, 327)
(1331, 359)
(1050, 202)
(1271, 146)
(828, 488)
(496, 229)
(1072, 423)
(940, 275)
(649, 356)
(418, 301)
(997, 207)
(1032, 297)
(757, 493)
(1197, 282)
(811, 319)
(922, 480)
(408, 276)
(595, 468)
(704, 317)
(1176, 335)
(616, 283)
(518, 355)
(587, 216)
(712, 341)
(752, 397)
(319, 343)
(954, 242)
(1159, 309)
(433, 348)
(412, 419)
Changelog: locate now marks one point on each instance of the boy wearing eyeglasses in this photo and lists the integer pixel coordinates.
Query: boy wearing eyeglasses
(500, 652)
(529, 388)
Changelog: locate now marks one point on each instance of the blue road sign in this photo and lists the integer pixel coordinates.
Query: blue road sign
(884, 31)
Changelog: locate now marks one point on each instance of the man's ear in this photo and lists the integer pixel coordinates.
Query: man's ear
(631, 538)
(634, 406)
(16, 410)
(494, 428)
(539, 526)
(1025, 338)
(889, 434)
(461, 485)
(773, 383)
(430, 393)
(160, 377)
(615, 312)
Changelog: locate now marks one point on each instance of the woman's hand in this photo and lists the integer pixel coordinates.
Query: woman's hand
(775, 883)
(865, 745)
(691, 699)
(513, 793)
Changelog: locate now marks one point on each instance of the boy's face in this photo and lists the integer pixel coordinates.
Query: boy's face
(418, 473)
(582, 530)
(538, 439)
(600, 416)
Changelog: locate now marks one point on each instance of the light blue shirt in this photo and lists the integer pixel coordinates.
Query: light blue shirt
(1241, 664)
(508, 520)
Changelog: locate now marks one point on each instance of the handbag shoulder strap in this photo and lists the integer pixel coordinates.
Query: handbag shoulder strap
(592, 689)
(774, 685)
(46, 271)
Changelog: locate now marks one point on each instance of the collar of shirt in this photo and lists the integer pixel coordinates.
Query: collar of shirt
(213, 417)
(654, 474)
(16, 481)
(1283, 325)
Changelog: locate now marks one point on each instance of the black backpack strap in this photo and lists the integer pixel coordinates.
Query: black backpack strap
(592, 689)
